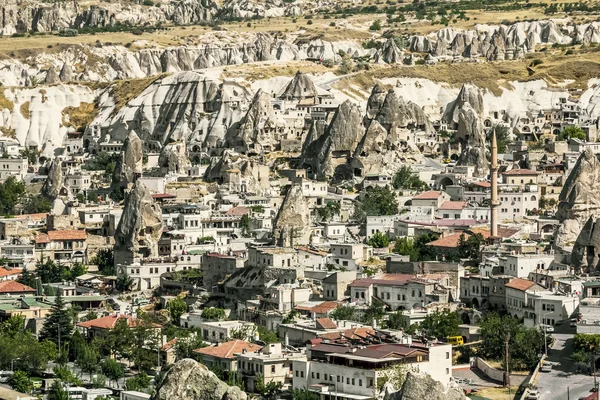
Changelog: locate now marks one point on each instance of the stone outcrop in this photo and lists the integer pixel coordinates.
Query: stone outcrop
(397, 114)
(292, 224)
(469, 94)
(339, 140)
(51, 76)
(55, 184)
(66, 73)
(419, 386)
(300, 87)
(130, 165)
(190, 380)
(259, 130)
(173, 158)
(471, 139)
(578, 212)
(140, 227)
(238, 172)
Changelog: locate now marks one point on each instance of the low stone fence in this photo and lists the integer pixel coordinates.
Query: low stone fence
(496, 374)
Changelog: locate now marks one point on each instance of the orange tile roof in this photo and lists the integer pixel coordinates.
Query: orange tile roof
(42, 238)
(324, 307)
(229, 349)
(521, 171)
(453, 205)
(8, 272)
(354, 333)
(503, 232)
(482, 184)
(448, 241)
(72, 234)
(429, 195)
(238, 211)
(110, 321)
(325, 323)
(519, 284)
(169, 345)
(14, 287)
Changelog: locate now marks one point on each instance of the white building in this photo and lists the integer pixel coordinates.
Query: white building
(521, 265)
(16, 167)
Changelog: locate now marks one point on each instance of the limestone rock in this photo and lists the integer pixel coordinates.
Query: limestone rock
(66, 73)
(419, 386)
(469, 94)
(292, 224)
(391, 53)
(190, 380)
(471, 137)
(173, 158)
(579, 199)
(51, 76)
(259, 129)
(395, 113)
(140, 227)
(375, 102)
(131, 162)
(300, 87)
(55, 183)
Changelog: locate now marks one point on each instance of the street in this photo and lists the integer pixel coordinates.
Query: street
(563, 382)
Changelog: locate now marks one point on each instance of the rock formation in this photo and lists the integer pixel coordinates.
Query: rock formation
(396, 114)
(55, 184)
(260, 129)
(130, 165)
(419, 386)
(578, 211)
(66, 73)
(292, 224)
(173, 158)
(51, 76)
(190, 380)
(140, 227)
(469, 94)
(339, 140)
(471, 138)
(300, 87)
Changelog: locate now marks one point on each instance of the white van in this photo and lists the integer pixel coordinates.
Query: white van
(5, 376)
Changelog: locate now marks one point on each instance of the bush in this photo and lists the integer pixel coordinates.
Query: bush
(309, 22)
(148, 3)
(376, 26)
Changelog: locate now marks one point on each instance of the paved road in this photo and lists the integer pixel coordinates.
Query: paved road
(563, 378)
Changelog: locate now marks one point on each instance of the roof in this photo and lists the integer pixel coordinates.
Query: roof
(448, 241)
(325, 323)
(429, 195)
(8, 272)
(520, 171)
(385, 279)
(503, 232)
(453, 205)
(169, 345)
(482, 184)
(229, 349)
(238, 211)
(321, 308)
(72, 234)
(158, 196)
(387, 350)
(311, 251)
(519, 284)
(37, 217)
(42, 238)
(110, 321)
(14, 287)
(353, 333)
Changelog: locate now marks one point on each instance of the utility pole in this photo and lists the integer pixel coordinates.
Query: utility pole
(506, 360)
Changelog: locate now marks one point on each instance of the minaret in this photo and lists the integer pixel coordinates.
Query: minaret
(494, 178)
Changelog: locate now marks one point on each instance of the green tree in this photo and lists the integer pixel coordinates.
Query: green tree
(20, 382)
(245, 225)
(25, 351)
(12, 326)
(12, 191)
(63, 373)
(471, 246)
(32, 155)
(58, 391)
(377, 201)
(213, 314)
(124, 283)
(574, 132)
(343, 313)
(398, 321)
(140, 383)
(267, 335)
(105, 261)
(113, 369)
(36, 204)
(119, 340)
(185, 346)
(379, 240)
(405, 178)
(88, 360)
(268, 389)
(376, 25)
(177, 307)
(59, 324)
(303, 394)
(91, 315)
(405, 247)
(375, 311)
(27, 278)
(327, 212)
(441, 324)
(78, 269)
(502, 137)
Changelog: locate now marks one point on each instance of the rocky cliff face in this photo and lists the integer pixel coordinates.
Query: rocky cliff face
(190, 380)
(339, 140)
(131, 162)
(292, 224)
(259, 130)
(469, 94)
(300, 87)
(471, 138)
(140, 227)
(55, 183)
(397, 114)
(173, 158)
(579, 205)
(419, 386)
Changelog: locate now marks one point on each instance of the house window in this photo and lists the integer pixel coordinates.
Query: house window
(353, 382)
(360, 382)
(447, 355)
(447, 371)
(273, 370)
(318, 375)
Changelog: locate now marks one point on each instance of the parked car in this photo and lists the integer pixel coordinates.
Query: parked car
(533, 395)
(547, 328)
(5, 376)
(546, 367)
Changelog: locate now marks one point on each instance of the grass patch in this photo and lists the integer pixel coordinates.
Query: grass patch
(8, 132)
(6, 103)
(257, 72)
(25, 110)
(125, 91)
(79, 117)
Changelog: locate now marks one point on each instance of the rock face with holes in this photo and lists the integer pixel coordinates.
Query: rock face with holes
(190, 380)
(140, 227)
(578, 212)
(292, 224)
(300, 87)
(469, 94)
(471, 138)
(55, 185)
(419, 386)
(173, 158)
(130, 165)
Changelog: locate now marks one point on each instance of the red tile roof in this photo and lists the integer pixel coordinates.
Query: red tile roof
(519, 284)
(229, 349)
(238, 211)
(9, 272)
(42, 238)
(429, 195)
(72, 234)
(158, 196)
(354, 333)
(482, 184)
(520, 171)
(325, 323)
(15, 287)
(34, 217)
(110, 321)
(451, 241)
(453, 205)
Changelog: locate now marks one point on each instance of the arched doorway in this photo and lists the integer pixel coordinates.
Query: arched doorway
(475, 303)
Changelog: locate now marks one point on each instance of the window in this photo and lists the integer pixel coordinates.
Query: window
(273, 369)
(338, 378)
(353, 381)
(318, 375)
(312, 375)
(447, 355)
(347, 381)
(447, 371)
(360, 382)
(325, 376)
(297, 373)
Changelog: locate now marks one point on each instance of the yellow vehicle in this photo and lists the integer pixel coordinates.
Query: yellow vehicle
(455, 340)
